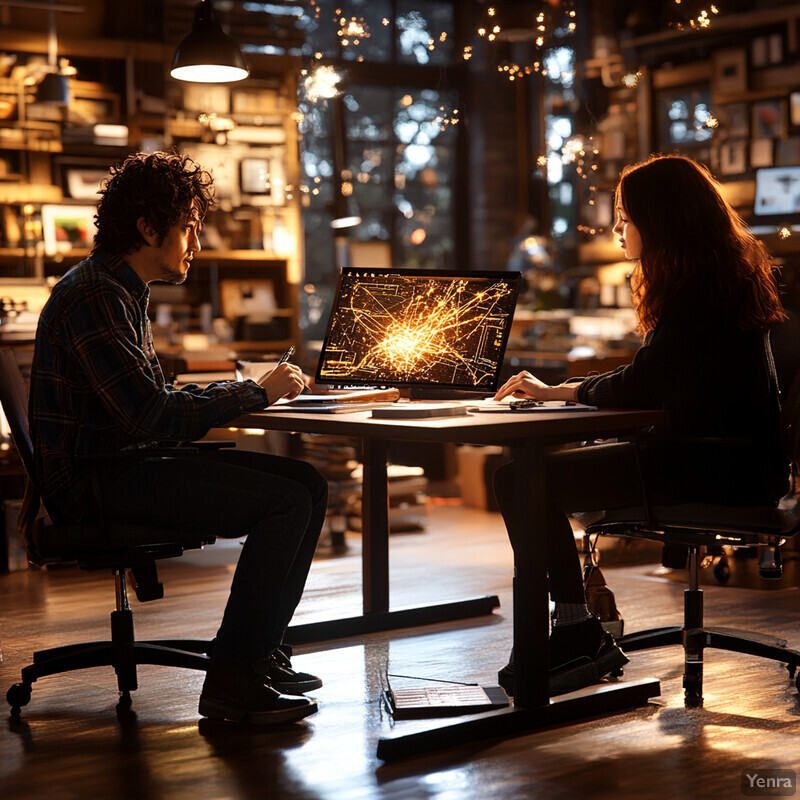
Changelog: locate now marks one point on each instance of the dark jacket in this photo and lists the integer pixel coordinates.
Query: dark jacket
(716, 380)
(97, 387)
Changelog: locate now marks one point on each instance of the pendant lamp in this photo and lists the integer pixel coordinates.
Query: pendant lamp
(207, 54)
(53, 89)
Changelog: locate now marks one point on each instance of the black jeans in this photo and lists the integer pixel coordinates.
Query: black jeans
(279, 503)
(580, 479)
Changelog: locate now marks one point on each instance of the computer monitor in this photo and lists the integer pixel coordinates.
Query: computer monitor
(777, 197)
(427, 330)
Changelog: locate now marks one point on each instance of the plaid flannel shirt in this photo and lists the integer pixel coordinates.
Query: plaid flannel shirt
(97, 386)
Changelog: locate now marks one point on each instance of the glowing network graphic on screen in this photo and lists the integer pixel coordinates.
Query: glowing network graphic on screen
(416, 328)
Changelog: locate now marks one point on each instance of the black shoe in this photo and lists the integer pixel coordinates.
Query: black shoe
(238, 692)
(582, 653)
(284, 679)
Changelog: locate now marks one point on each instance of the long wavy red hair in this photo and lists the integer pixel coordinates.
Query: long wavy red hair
(691, 237)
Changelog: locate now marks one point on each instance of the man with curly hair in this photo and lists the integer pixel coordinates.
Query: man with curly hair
(97, 387)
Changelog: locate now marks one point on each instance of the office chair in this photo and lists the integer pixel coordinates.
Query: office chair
(684, 530)
(127, 550)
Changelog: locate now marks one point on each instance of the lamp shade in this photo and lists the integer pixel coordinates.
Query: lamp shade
(207, 54)
(53, 90)
(344, 213)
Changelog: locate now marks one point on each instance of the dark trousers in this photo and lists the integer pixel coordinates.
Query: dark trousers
(580, 479)
(279, 503)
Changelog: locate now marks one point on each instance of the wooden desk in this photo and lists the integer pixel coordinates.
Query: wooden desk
(528, 436)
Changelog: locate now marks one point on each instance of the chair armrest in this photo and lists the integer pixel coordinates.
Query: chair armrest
(212, 445)
(141, 454)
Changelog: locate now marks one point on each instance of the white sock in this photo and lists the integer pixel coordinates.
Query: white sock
(571, 614)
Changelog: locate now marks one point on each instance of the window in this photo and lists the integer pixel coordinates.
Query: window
(396, 138)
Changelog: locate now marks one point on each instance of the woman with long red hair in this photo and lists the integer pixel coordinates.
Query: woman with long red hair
(705, 296)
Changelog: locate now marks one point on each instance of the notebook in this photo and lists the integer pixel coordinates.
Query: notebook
(426, 330)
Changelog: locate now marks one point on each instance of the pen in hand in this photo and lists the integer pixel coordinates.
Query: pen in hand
(287, 355)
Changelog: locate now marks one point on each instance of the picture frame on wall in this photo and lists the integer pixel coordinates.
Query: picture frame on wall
(733, 157)
(762, 153)
(769, 119)
(263, 178)
(66, 228)
(788, 152)
(794, 111)
(734, 121)
(729, 71)
(255, 175)
(83, 183)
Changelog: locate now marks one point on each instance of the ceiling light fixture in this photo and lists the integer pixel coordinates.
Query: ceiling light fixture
(53, 89)
(207, 54)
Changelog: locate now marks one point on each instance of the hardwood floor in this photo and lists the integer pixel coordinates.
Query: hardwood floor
(70, 743)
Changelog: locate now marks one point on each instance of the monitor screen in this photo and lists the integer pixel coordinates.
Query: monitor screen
(418, 328)
(777, 191)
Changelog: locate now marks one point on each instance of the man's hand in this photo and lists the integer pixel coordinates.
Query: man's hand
(286, 380)
(523, 384)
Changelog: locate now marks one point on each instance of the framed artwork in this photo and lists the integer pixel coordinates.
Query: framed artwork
(66, 228)
(788, 152)
(222, 163)
(794, 110)
(759, 52)
(729, 71)
(762, 153)
(207, 98)
(733, 157)
(83, 183)
(769, 119)
(734, 120)
(255, 176)
(263, 180)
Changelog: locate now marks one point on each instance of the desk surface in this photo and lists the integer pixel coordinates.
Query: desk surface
(474, 428)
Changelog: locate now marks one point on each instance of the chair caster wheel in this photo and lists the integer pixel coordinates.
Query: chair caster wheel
(616, 673)
(125, 701)
(17, 696)
(792, 669)
(693, 701)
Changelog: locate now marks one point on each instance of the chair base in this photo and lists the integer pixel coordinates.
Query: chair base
(122, 652)
(696, 640)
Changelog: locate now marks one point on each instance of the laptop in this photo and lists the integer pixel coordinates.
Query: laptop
(439, 333)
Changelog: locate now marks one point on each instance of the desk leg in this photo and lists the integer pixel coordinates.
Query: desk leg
(533, 708)
(375, 571)
(375, 527)
(531, 597)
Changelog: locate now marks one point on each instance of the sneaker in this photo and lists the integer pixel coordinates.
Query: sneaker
(237, 692)
(284, 679)
(582, 654)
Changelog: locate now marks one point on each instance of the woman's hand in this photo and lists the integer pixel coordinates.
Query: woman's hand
(286, 380)
(523, 384)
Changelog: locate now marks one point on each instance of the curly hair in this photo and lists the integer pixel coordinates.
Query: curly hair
(691, 237)
(163, 188)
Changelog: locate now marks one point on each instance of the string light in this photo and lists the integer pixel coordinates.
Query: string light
(446, 119)
(540, 35)
(323, 82)
(699, 22)
(784, 232)
(352, 31)
(631, 80)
